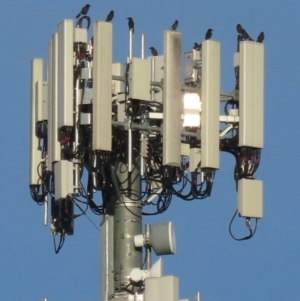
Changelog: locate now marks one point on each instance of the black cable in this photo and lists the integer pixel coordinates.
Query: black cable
(79, 22)
(61, 243)
(251, 232)
(84, 213)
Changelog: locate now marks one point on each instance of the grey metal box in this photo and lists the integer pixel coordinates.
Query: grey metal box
(210, 98)
(86, 73)
(139, 79)
(191, 59)
(251, 108)
(162, 289)
(63, 179)
(80, 35)
(250, 198)
(185, 149)
(117, 86)
(121, 107)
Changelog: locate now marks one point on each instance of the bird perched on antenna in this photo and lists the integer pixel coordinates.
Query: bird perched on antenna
(83, 11)
(153, 51)
(245, 35)
(241, 31)
(174, 26)
(239, 28)
(261, 37)
(130, 24)
(197, 46)
(208, 34)
(110, 16)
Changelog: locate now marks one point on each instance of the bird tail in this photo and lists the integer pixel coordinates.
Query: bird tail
(78, 16)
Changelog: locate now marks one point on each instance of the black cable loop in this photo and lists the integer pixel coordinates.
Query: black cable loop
(251, 232)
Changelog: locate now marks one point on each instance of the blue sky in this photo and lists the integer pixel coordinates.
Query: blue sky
(263, 268)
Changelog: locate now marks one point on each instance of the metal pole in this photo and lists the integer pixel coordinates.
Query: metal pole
(127, 224)
(130, 44)
(46, 211)
(142, 46)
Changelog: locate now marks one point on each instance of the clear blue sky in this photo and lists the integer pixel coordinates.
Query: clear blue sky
(263, 268)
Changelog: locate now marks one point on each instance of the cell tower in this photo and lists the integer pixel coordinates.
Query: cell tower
(138, 136)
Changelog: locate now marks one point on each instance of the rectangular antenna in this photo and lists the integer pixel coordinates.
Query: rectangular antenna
(39, 100)
(139, 79)
(45, 100)
(155, 288)
(172, 99)
(54, 144)
(35, 154)
(210, 109)
(250, 198)
(102, 80)
(251, 102)
(65, 73)
(50, 107)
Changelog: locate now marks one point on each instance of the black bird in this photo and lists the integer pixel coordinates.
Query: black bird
(83, 11)
(197, 46)
(131, 24)
(261, 37)
(208, 34)
(153, 51)
(175, 25)
(110, 16)
(239, 28)
(245, 35)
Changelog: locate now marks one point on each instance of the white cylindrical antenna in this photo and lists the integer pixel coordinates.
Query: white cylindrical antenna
(54, 144)
(142, 46)
(130, 44)
(198, 296)
(106, 257)
(172, 99)
(102, 80)
(35, 155)
(130, 148)
(65, 73)
(46, 211)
